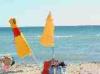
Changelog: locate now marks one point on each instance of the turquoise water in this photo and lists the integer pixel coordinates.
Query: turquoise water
(72, 43)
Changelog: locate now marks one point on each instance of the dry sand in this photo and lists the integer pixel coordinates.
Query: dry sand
(24, 69)
(86, 68)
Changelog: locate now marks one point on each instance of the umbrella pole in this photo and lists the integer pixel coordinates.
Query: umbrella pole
(33, 57)
(53, 53)
(35, 60)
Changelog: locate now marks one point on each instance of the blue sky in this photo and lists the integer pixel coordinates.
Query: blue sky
(65, 12)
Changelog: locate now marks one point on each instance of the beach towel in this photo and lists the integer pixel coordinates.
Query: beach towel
(46, 67)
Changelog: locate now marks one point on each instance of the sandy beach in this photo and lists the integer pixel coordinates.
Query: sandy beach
(85, 68)
(24, 69)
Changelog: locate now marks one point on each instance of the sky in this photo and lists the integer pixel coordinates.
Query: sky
(64, 12)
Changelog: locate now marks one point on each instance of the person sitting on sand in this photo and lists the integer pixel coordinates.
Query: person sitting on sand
(7, 63)
(62, 68)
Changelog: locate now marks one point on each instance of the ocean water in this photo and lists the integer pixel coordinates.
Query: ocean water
(73, 44)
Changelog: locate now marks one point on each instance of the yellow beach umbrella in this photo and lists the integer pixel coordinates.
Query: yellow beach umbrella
(47, 38)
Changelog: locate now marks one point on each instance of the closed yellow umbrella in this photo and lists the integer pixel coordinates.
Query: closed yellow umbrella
(47, 38)
(21, 44)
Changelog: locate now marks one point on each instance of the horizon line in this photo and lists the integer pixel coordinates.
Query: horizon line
(55, 26)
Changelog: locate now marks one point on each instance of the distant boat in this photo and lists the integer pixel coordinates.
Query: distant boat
(21, 44)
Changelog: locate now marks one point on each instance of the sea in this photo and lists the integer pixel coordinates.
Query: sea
(73, 44)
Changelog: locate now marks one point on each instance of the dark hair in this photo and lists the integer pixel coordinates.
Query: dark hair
(52, 65)
(13, 61)
(62, 64)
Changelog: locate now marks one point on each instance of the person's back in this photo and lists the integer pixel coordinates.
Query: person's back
(63, 68)
(58, 70)
(52, 70)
